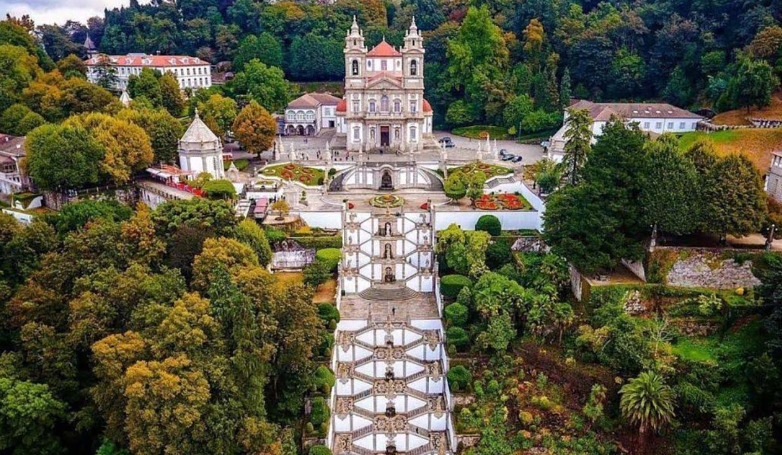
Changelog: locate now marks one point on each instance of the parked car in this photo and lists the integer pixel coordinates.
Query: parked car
(516, 159)
(503, 152)
(447, 142)
(545, 144)
(508, 157)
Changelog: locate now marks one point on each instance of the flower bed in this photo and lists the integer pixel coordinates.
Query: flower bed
(502, 202)
(490, 170)
(386, 201)
(290, 171)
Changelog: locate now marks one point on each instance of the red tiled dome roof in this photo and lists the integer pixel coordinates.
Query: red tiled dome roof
(342, 106)
(383, 50)
(427, 106)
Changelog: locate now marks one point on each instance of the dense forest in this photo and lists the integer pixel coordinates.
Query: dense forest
(525, 57)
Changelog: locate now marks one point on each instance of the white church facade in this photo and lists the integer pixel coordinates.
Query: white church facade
(384, 105)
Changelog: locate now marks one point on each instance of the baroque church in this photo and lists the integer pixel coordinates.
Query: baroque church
(384, 106)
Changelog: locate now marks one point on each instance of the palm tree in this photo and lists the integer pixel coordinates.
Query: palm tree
(647, 403)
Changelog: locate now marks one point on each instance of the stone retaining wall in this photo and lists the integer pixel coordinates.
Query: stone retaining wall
(706, 269)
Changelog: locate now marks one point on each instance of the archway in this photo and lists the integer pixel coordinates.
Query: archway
(300, 130)
(310, 130)
(290, 129)
(386, 182)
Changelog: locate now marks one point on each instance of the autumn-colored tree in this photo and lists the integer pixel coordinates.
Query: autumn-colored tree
(126, 146)
(72, 65)
(230, 253)
(255, 128)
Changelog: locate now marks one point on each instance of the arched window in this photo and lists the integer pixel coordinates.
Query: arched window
(372, 106)
(355, 68)
(413, 68)
(384, 104)
(397, 106)
(310, 115)
(300, 115)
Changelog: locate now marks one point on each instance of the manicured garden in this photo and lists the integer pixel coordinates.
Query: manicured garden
(480, 132)
(295, 172)
(490, 170)
(502, 202)
(387, 201)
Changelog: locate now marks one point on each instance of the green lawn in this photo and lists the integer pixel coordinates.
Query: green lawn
(241, 164)
(731, 350)
(756, 144)
(476, 132)
(720, 137)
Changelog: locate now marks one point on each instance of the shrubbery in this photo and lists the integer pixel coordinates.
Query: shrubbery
(328, 312)
(498, 253)
(458, 337)
(219, 189)
(490, 224)
(450, 285)
(319, 449)
(330, 257)
(456, 314)
(459, 378)
(319, 243)
(324, 380)
(320, 414)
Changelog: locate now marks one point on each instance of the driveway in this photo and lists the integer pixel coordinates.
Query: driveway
(531, 153)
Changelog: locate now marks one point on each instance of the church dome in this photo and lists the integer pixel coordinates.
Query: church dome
(384, 50)
(342, 106)
(427, 106)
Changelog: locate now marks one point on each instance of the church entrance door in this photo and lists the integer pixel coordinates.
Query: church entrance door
(384, 136)
(386, 183)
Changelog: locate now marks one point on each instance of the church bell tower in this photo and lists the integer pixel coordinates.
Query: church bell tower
(355, 55)
(413, 57)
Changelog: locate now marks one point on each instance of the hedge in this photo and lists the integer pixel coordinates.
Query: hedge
(330, 257)
(320, 411)
(450, 285)
(458, 337)
(324, 380)
(456, 314)
(319, 243)
(490, 224)
(319, 449)
(328, 312)
(459, 378)
(219, 189)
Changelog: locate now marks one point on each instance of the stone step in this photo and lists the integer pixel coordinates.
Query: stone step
(390, 293)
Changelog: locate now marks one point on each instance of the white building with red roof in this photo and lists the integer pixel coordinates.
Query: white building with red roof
(384, 105)
(310, 113)
(190, 72)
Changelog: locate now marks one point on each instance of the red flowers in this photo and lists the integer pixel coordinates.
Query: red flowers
(501, 202)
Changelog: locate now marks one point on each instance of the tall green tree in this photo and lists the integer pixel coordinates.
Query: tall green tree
(752, 84)
(219, 113)
(733, 198)
(146, 85)
(578, 137)
(263, 84)
(171, 95)
(61, 157)
(668, 196)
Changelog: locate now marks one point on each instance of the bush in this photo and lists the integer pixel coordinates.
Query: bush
(320, 412)
(316, 273)
(490, 224)
(459, 378)
(275, 235)
(328, 312)
(498, 253)
(252, 235)
(450, 285)
(330, 257)
(319, 243)
(319, 449)
(324, 380)
(219, 189)
(456, 314)
(458, 337)
(326, 343)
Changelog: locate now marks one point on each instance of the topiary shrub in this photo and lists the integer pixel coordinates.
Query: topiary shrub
(456, 314)
(320, 412)
(275, 235)
(490, 224)
(324, 380)
(319, 449)
(450, 285)
(330, 257)
(458, 337)
(328, 312)
(459, 378)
